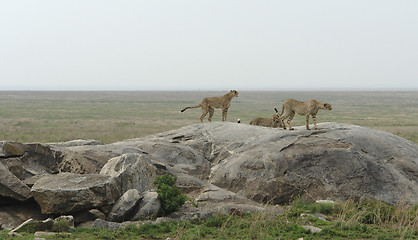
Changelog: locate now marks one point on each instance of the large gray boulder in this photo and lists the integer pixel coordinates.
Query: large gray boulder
(69, 192)
(338, 162)
(131, 171)
(11, 186)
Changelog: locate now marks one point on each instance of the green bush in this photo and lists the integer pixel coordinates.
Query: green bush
(61, 226)
(375, 212)
(299, 206)
(171, 197)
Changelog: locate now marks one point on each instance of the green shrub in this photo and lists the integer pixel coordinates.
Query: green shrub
(61, 226)
(375, 212)
(299, 206)
(171, 197)
(325, 208)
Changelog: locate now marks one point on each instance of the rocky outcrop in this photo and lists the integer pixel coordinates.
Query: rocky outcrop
(273, 165)
(232, 168)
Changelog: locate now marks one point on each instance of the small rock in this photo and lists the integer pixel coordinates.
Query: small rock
(325, 201)
(163, 219)
(43, 233)
(312, 228)
(48, 234)
(123, 208)
(99, 223)
(149, 207)
(316, 215)
(5, 227)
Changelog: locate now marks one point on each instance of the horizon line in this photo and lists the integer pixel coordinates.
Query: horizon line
(200, 90)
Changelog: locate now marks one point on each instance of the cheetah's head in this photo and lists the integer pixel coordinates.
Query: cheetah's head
(234, 92)
(327, 106)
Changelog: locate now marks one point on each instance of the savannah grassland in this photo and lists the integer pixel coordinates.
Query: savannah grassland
(114, 116)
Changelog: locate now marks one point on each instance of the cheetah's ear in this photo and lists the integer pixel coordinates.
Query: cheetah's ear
(275, 109)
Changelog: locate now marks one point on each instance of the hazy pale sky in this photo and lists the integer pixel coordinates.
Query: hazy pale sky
(208, 45)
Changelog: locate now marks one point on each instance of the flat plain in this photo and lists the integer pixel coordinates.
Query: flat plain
(51, 116)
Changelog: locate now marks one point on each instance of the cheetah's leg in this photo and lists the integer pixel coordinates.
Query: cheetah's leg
(314, 121)
(292, 115)
(307, 122)
(282, 118)
(205, 112)
(211, 111)
(224, 113)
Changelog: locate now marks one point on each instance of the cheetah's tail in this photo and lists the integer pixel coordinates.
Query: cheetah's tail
(190, 107)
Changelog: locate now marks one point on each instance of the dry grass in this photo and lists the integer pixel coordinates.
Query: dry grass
(402, 218)
(115, 116)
